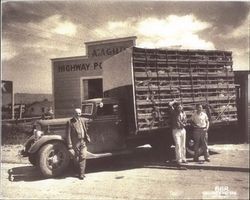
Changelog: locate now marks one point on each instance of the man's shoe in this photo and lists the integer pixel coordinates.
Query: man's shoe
(81, 177)
(207, 159)
(184, 161)
(196, 160)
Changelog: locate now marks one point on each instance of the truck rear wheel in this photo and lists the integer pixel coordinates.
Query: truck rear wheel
(190, 147)
(161, 145)
(53, 159)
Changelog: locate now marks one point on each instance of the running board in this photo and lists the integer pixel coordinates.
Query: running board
(108, 154)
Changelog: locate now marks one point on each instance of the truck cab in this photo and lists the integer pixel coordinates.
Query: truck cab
(105, 124)
(47, 147)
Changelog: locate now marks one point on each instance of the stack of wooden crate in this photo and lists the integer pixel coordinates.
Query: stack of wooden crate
(188, 76)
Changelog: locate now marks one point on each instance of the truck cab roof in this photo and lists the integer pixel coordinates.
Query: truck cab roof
(101, 100)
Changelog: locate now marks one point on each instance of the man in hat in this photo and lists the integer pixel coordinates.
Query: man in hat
(179, 121)
(77, 138)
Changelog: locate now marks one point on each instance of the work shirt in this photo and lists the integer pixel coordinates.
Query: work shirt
(200, 120)
(178, 119)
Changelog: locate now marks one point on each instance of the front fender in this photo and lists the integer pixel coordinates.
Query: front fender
(44, 139)
(27, 145)
(30, 139)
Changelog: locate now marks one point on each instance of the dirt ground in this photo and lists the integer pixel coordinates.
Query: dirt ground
(135, 176)
(148, 182)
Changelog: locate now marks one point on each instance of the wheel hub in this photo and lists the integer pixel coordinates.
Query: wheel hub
(55, 159)
(191, 143)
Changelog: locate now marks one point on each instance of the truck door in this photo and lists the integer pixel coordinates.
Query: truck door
(106, 130)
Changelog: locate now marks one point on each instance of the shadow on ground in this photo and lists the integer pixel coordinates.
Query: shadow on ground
(138, 159)
(141, 158)
(26, 173)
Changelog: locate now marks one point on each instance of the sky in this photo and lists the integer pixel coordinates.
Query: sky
(33, 32)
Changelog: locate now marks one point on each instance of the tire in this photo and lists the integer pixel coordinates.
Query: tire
(161, 144)
(190, 147)
(53, 159)
(161, 149)
(32, 159)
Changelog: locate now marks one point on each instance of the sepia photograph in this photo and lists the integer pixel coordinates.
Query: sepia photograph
(125, 99)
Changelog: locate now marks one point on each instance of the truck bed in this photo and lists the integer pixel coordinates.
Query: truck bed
(146, 80)
(188, 76)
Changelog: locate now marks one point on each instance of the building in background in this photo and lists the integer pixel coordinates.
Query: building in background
(19, 102)
(78, 78)
(38, 109)
(29, 98)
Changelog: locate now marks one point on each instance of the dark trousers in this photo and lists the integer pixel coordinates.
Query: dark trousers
(80, 157)
(200, 137)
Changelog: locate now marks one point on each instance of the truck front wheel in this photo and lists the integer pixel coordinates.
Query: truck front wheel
(32, 159)
(53, 159)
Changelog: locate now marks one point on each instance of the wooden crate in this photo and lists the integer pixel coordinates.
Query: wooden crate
(189, 76)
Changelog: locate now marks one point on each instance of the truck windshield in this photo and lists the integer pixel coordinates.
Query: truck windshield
(87, 109)
(107, 109)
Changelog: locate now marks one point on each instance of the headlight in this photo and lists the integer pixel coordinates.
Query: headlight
(37, 134)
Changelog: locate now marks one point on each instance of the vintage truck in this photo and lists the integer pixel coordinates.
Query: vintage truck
(138, 84)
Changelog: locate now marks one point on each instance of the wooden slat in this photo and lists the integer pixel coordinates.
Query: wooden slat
(190, 76)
